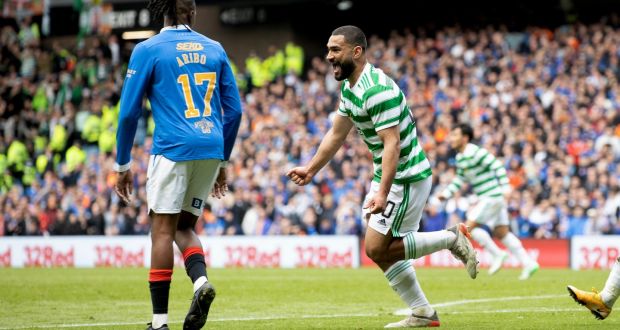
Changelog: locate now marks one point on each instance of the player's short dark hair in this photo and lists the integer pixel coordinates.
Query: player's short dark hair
(466, 130)
(352, 35)
(170, 8)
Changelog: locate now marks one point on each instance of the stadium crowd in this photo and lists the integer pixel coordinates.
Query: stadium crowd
(547, 102)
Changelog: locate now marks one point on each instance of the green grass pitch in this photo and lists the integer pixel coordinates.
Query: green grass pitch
(296, 299)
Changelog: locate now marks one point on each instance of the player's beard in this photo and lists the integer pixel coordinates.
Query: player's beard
(346, 66)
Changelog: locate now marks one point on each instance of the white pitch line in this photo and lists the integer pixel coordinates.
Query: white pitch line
(223, 319)
(284, 317)
(521, 310)
(483, 300)
(407, 311)
(78, 325)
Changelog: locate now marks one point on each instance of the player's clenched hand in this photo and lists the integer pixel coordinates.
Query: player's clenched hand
(377, 203)
(124, 186)
(220, 187)
(300, 175)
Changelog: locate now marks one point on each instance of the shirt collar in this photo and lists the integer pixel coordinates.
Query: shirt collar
(367, 68)
(469, 146)
(175, 28)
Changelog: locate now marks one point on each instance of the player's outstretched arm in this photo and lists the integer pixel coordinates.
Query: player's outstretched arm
(332, 141)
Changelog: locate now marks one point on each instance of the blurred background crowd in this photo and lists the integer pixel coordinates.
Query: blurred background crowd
(544, 101)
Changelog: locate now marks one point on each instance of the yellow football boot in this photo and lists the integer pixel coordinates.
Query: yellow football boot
(592, 301)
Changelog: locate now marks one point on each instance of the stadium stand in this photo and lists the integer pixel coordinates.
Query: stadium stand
(546, 101)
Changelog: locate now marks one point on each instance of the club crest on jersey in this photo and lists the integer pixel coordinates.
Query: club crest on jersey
(204, 125)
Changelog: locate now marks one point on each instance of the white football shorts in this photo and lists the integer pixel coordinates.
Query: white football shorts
(405, 205)
(175, 186)
(491, 211)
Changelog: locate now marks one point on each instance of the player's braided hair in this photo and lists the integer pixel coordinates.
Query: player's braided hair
(163, 8)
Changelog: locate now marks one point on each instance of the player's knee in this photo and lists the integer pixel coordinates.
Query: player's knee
(184, 226)
(163, 228)
(375, 253)
(162, 235)
(471, 224)
(187, 221)
(500, 231)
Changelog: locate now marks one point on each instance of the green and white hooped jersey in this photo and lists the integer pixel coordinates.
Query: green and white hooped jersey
(376, 103)
(476, 166)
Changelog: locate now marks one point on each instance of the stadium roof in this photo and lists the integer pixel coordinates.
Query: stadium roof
(57, 3)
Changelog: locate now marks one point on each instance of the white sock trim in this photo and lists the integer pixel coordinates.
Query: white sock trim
(397, 271)
(159, 320)
(199, 282)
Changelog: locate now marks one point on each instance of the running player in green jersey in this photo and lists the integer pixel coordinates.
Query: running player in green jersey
(371, 102)
(487, 178)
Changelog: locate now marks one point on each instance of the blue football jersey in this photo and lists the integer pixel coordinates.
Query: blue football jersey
(193, 95)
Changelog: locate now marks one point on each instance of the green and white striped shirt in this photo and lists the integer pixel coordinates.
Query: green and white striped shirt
(485, 174)
(376, 103)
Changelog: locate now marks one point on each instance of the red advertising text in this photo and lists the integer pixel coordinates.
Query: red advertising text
(117, 256)
(46, 256)
(321, 256)
(250, 256)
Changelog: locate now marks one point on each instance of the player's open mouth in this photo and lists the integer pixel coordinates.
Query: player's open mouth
(336, 68)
